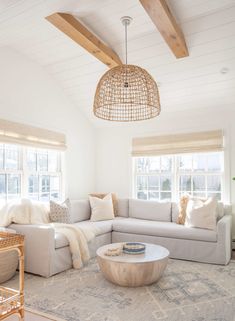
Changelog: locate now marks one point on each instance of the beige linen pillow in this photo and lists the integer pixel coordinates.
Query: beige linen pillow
(101, 208)
(201, 214)
(114, 200)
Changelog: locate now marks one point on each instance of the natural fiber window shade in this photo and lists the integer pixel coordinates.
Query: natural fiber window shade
(16, 133)
(177, 144)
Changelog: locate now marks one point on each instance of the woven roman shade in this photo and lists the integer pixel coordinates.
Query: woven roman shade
(16, 133)
(178, 144)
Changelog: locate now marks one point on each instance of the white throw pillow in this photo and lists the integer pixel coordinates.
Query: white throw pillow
(101, 209)
(202, 214)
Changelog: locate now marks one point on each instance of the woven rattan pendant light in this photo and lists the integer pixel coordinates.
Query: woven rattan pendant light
(126, 92)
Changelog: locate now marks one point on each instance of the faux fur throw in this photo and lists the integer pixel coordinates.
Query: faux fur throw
(78, 238)
(24, 211)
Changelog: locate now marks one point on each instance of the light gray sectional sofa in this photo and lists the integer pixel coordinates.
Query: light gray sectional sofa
(47, 252)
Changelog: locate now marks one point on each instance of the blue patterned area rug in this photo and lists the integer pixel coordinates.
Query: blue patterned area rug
(188, 291)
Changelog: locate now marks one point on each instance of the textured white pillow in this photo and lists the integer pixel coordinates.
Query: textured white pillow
(202, 214)
(101, 209)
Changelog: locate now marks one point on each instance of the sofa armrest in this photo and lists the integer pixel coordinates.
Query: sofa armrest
(224, 226)
(39, 247)
(224, 230)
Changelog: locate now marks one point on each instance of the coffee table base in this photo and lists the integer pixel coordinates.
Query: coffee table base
(132, 275)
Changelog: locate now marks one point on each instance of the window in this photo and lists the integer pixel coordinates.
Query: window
(44, 175)
(154, 176)
(168, 177)
(27, 172)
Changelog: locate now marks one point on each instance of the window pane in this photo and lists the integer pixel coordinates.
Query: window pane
(153, 182)
(166, 196)
(12, 157)
(53, 161)
(141, 183)
(45, 183)
(142, 164)
(55, 187)
(185, 183)
(216, 195)
(13, 186)
(198, 174)
(154, 164)
(44, 188)
(199, 194)
(185, 162)
(166, 163)
(215, 162)
(32, 159)
(153, 196)
(166, 183)
(142, 195)
(1, 156)
(2, 185)
(199, 162)
(33, 184)
(199, 183)
(42, 161)
(214, 183)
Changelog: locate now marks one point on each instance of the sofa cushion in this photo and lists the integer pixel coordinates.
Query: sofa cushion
(102, 227)
(174, 212)
(123, 207)
(162, 229)
(150, 210)
(80, 210)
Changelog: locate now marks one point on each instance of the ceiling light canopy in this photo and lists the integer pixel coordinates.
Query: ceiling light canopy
(126, 92)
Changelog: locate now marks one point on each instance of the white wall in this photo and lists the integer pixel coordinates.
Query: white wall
(29, 95)
(113, 146)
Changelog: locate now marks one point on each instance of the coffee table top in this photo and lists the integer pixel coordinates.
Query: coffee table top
(152, 253)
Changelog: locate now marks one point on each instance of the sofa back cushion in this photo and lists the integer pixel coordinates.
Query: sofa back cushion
(174, 211)
(80, 210)
(123, 207)
(150, 210)
(227, 209)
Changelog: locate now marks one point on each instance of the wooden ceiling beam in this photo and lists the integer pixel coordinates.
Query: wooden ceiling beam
(69, 25)
(161, 16)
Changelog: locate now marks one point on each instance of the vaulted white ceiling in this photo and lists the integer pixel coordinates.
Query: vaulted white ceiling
(191, 82)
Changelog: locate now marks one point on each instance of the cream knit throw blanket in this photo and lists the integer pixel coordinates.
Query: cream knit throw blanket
(78, 238)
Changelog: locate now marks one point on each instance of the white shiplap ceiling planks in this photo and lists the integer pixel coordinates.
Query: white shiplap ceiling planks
(208, 26)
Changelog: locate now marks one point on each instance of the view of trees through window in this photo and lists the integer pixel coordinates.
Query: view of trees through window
(169, 177)
(28, 172)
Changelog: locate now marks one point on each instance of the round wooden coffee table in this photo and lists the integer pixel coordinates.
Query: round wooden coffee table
(133, 270)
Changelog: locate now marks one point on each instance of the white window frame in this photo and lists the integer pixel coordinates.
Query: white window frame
(176, 172)
(157, 173)
(25, 172)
